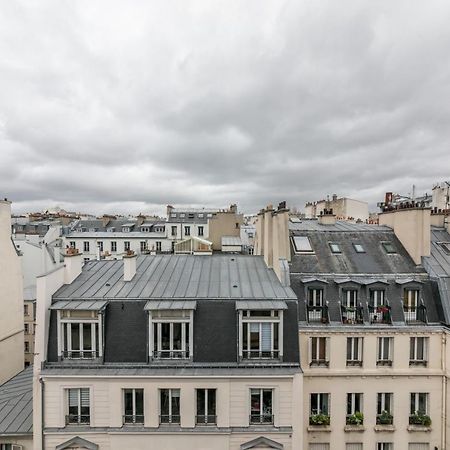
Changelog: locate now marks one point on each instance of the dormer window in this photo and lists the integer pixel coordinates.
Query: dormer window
(411, 304)
(260, 331)
(125, 229)
(358, 248)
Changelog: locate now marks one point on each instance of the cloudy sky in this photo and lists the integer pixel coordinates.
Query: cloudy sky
(127, 106)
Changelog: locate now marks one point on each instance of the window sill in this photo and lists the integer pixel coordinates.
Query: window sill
(414, 428)
(384, 428)
(319, 428)
(353, 428)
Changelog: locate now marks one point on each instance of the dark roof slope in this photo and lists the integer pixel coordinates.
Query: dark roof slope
(16, 404)
(179, 277)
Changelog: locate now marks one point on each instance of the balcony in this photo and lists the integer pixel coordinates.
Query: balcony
(206, 420)
(76, 419)
(169, 419)
(352, 315)
(80, 354)
(260, 354)
(261, 419)
(133, 419)
(317, 314)
(415, 314)
(171, 354)
(380, 314)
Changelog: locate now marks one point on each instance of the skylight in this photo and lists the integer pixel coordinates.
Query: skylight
(294, 219)
(302, 244)
(445, 246)
(335, 247)
(358, 248)
(388, 247)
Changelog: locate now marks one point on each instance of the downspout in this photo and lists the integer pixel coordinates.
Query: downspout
(42, 413)
(444, 392)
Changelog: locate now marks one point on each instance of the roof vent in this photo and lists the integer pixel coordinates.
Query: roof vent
(235, 285)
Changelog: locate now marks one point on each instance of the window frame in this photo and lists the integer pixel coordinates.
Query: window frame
(172, 418)
(306, 250)
(320, 402)
(335, 248)
(262, 415)
(359, 360)
(416, 397)
(135, 418)
(414, 350)
(381, 350)
(79, 416)
(208, 417)
(314, 350)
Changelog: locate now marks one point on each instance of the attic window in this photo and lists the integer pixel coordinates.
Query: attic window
(335, 247)
(302, 244)
(445, 246)
(388, 247)
(358, 248)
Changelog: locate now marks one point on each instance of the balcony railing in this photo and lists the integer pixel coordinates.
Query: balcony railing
(80, 354)
(319, 363)
(415, 313)
(352, 315)
(170, 354)
(380, 314)
(169, 419)
(384, 362)
(418, 362)
(260, 354)
(261, 419)
(206, 420)
(129, 419)
(354, 362)
(76, 419)
(317, 313)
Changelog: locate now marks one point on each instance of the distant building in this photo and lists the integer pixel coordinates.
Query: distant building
(441, 196)
(29, 315)
(343, 208)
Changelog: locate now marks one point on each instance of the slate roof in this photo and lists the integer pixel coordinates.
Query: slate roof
(178, 277)
(16, 404)
(340, 225)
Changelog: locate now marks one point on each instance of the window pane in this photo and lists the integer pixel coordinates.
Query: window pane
(128, 402)
(177, 336)
(139, 393)
(165, 336)
(322, 348)
(254, 336)
(200, 402)
(212, 402)
(175, 402)
(164, 402)
(255, 401)
(75, 336)
(302, 244)
(267, 402)
(266, 338)
(87, 340)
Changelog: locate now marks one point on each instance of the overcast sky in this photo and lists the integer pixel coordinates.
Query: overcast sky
(127, 106)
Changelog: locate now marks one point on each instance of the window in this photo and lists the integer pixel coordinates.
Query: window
(319, 446)
(354, 409)
(319, 351)
(170, 406)
(319, 404)
(78, 406)
(261, 406)
(334, 247)
(384, 354)
(359, 248)
(418, 351)
(350, 298)
(354, 351)
(388, 247)
(354, 446)
(174, 230)
(206, 407)
(351, 313)
(100, 245)
(182, 215)
(200, 231)
(86, 246)
(445, 246)
(209, 215)
(410, 304)
(143, 246)
(384, 408)
(145, 229)
(302, 244)
(171, 334)
(113, 246)
(133, 406)
(26, 327)
(72, 244)
(419, 403)
(86, 260)
(158, 246)
(173, 215)
(27, 347)
(25, 310)
(418, 446)
(260, 334)
(191, 216)
(385, 446)
(79, 339)
(126, 246)
(11, 446)
(187, 230)
(377, 297)
(200, 215)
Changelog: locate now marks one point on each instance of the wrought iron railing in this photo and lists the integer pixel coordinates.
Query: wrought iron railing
(129, 419)
(380, 314)
(80, 354)
(77, 419)
(260, 354)
(415, 313)
(352, 315)
(169, 419)
(317, 313)
(261, 419)
(206, 420)
(170, 354)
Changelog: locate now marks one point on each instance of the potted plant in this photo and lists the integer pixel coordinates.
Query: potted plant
(356, 418)
(419, 418)
(385, 418)
(319, 419)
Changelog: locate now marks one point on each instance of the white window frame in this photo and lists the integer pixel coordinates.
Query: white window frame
(320, 396)
(353, 396)
(261, 412)
(378, 296)
(126, 246)
(86, 246)
(158, 246)
(416, 396)
(79, 389)
(68, 322)
(170, 415)
(414, 348)
(206, 412)
(381, 405)
(245, 316)
(382, 342)
(385, 446)
(114, 246)
(359, 353)
(314, 349)
(133, 398)
(350, 295)
(156, 320)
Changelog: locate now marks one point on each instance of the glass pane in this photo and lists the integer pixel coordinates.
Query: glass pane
(324, 405)
(254, 336)
(349, 404)
(244, 336)
(314, 404)
(255, 395)
(87, 337)
(266, 337)
(302, 244)
(75, 336)
(322, 348)
(420, 348)
(164, 402)
(128, 402)
(423, 403)
(165, 336)
(177, 336)
(411, 348)
(175, 402)
(413, 404)
(200, 402)
(212, 402)
(139, 393)
(267, 402)
(349, 348)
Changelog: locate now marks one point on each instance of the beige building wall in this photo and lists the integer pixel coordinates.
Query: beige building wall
(400, 379)
(232, 403)
(11, 300)
(224, 223)
(25, 442)
(412, 228)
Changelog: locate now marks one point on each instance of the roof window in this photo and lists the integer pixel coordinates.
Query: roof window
(445, 246)
(302, 244)
(388, 247)
(335, 247)
(359, 248)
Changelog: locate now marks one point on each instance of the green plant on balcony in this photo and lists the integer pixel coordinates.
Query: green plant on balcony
(419, 418)
(319, 419)
(356, 418)
(385, 418)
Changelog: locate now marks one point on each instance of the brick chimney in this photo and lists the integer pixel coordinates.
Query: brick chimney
(129, 266)
(412, 226)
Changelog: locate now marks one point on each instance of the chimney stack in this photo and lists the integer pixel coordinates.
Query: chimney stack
(72, 264)
(129, 266)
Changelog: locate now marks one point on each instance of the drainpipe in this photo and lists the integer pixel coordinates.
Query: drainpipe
(444, 392)
(42, 413)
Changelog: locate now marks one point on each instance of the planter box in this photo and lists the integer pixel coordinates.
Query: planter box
(384, 428)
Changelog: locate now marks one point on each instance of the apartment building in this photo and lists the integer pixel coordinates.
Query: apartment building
(11, 300)
(343, 207)
(167, 352)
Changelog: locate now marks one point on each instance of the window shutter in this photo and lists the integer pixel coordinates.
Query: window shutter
(84, 397)
(319, 446)
(73, 397)
(354, 446)
(266, 337)
(419, 446)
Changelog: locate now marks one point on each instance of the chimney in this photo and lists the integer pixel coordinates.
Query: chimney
(73, 262)
(334, 197)
(233, 208)
(105, 220)
(327, 217)
(268, 236)
(169, 210)
(129, 266)
(412, 226)
(5, 221)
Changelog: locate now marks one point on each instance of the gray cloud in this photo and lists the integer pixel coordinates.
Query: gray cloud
(105, 107)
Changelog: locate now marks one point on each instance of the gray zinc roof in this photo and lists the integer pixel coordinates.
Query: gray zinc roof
(340, 225)
(178, 277)
(16, 404)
